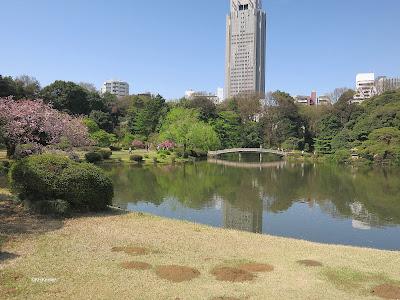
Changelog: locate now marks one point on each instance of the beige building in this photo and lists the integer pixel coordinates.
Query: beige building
(115, 87)
(245, 48)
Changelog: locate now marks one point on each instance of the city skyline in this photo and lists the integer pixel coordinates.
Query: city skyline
(312, 45)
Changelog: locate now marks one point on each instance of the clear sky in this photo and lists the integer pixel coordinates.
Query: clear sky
(167, 47)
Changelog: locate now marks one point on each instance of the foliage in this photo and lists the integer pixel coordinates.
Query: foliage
(104, 138)
(138, 144)
(183, 126)
(93, 157)
(342, 156)
(116, 148)
(102, 119)
(166, 152)
(91, 125)
(136, 157)
(49, 177)
(383, 143)
(38, 124)
(292, 143)
(105, 154)
(166, 145)
(67, 97)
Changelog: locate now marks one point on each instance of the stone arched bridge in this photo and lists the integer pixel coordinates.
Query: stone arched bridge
(247, 150)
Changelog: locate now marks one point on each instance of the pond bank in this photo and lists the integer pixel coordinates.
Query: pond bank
(119, 255)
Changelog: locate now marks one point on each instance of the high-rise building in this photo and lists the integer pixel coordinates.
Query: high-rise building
(245, 48)
(116, 87)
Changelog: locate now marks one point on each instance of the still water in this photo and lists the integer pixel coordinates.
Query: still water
(325, 203)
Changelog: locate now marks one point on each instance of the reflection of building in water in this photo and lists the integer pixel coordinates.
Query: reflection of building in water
(245, 220)
(362, 219)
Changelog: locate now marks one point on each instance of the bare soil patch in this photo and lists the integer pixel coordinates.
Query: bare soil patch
(232, 274)
(131, 250)
(137, 265)
(177, 273)
(310, 263)
(225, 298)
(255, 267)
(386, 291)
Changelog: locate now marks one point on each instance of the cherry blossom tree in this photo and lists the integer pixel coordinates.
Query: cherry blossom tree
(39, 125)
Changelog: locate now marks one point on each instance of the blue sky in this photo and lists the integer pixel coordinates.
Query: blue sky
(167, 47)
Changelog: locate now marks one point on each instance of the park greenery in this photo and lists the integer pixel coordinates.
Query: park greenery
(194, 126)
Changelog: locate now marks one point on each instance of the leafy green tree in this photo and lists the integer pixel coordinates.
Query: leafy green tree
(183, 126)
(104, 120)
(104, 138)
(91, 125)
(328, 126)
(7, 86)
(292, 143)
(27, 87)
(67, 97)
(382, 143)
(227, 127)
(206, 107)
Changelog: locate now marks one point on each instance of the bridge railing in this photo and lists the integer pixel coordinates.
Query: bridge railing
(246, 150)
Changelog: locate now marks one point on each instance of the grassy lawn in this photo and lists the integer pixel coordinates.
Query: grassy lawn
(82, 258)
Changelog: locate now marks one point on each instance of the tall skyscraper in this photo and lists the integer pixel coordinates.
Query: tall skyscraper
(245, 48)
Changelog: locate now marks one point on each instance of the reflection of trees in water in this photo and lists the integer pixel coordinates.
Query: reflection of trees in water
(250, 190)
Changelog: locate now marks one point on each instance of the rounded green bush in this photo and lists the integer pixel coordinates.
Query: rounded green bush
(50, 177)
(165, 152)
(116, 148)
(136, 157)
(105, 154)
(93, 157)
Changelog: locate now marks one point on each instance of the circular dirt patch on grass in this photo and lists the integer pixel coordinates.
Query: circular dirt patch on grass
(310, 263)
(254, 267)
(136, 265)
(225, 298)
(177, 273)
(131, 250)
(386, 291)
(232, 274)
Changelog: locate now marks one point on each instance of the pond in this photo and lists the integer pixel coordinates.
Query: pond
(324, 203)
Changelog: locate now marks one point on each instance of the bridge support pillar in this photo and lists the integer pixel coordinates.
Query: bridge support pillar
(240, 156)
(260, 157)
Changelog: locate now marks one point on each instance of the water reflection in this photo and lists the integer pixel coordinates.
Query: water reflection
(327, 203)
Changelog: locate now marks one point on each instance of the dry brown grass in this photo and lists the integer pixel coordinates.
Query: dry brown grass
(79, 257)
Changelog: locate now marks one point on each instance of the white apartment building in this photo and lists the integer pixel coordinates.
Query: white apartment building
(245, 48)
(116, 87)
(365, 87)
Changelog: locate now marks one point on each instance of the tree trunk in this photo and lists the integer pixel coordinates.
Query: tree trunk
(10, 148)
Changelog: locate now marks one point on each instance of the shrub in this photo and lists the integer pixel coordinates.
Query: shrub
(22, 151)
(52, 179)
(93, 157)
(166, 152)
(126, 148)
(342, 156)
(105, 154)
(49, 207)
(117, 148)
(136, 157)
(138, 144)
(145, 155)
(162, 155)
